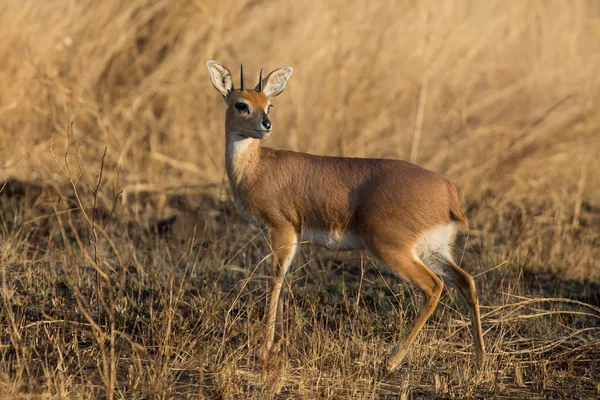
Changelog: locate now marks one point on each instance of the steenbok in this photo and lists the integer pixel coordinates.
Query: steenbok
(403, 214)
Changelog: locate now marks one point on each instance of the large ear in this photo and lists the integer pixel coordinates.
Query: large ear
(275, 82)
(220, 77)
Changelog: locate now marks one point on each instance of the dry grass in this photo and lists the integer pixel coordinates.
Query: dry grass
(501, 97)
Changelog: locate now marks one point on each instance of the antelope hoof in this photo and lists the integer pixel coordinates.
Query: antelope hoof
(268, 354)
(479, 360)
(391, 367)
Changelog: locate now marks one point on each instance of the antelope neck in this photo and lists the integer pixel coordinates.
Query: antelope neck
(242, 154)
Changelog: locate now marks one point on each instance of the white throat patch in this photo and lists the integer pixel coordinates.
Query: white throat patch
(237, 145)
(236, 148)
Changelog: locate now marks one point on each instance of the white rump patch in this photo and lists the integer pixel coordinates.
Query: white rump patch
(436, 242)
(333, 240)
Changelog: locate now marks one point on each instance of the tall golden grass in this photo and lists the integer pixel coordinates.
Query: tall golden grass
(500, 96)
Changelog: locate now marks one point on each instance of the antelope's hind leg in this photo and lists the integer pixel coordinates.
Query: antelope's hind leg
(414, 271)
(455, 277)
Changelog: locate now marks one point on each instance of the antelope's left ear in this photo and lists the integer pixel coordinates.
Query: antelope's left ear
(275, 82)
(220, 77)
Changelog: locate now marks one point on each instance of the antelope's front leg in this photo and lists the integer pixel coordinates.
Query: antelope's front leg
(283, 245)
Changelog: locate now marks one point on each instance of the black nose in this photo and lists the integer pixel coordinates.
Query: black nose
(267, 124)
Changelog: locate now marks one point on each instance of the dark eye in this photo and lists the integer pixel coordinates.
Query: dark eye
(269, 109)
(241, 107)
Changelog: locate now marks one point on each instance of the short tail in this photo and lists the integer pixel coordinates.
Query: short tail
(455, 211)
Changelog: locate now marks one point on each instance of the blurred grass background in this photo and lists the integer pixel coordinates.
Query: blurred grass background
(500, 96)
(507, 91)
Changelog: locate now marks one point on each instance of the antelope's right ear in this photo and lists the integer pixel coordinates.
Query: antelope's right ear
(220, 77)
(275, 82)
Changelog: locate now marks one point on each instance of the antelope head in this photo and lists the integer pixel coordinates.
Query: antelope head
(248, 109)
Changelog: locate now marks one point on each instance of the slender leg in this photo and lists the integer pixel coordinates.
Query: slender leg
(465, 285)
(431, 286)
(284, 242)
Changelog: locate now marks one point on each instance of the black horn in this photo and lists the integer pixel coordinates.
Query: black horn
(260, 88)
(242, 83)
